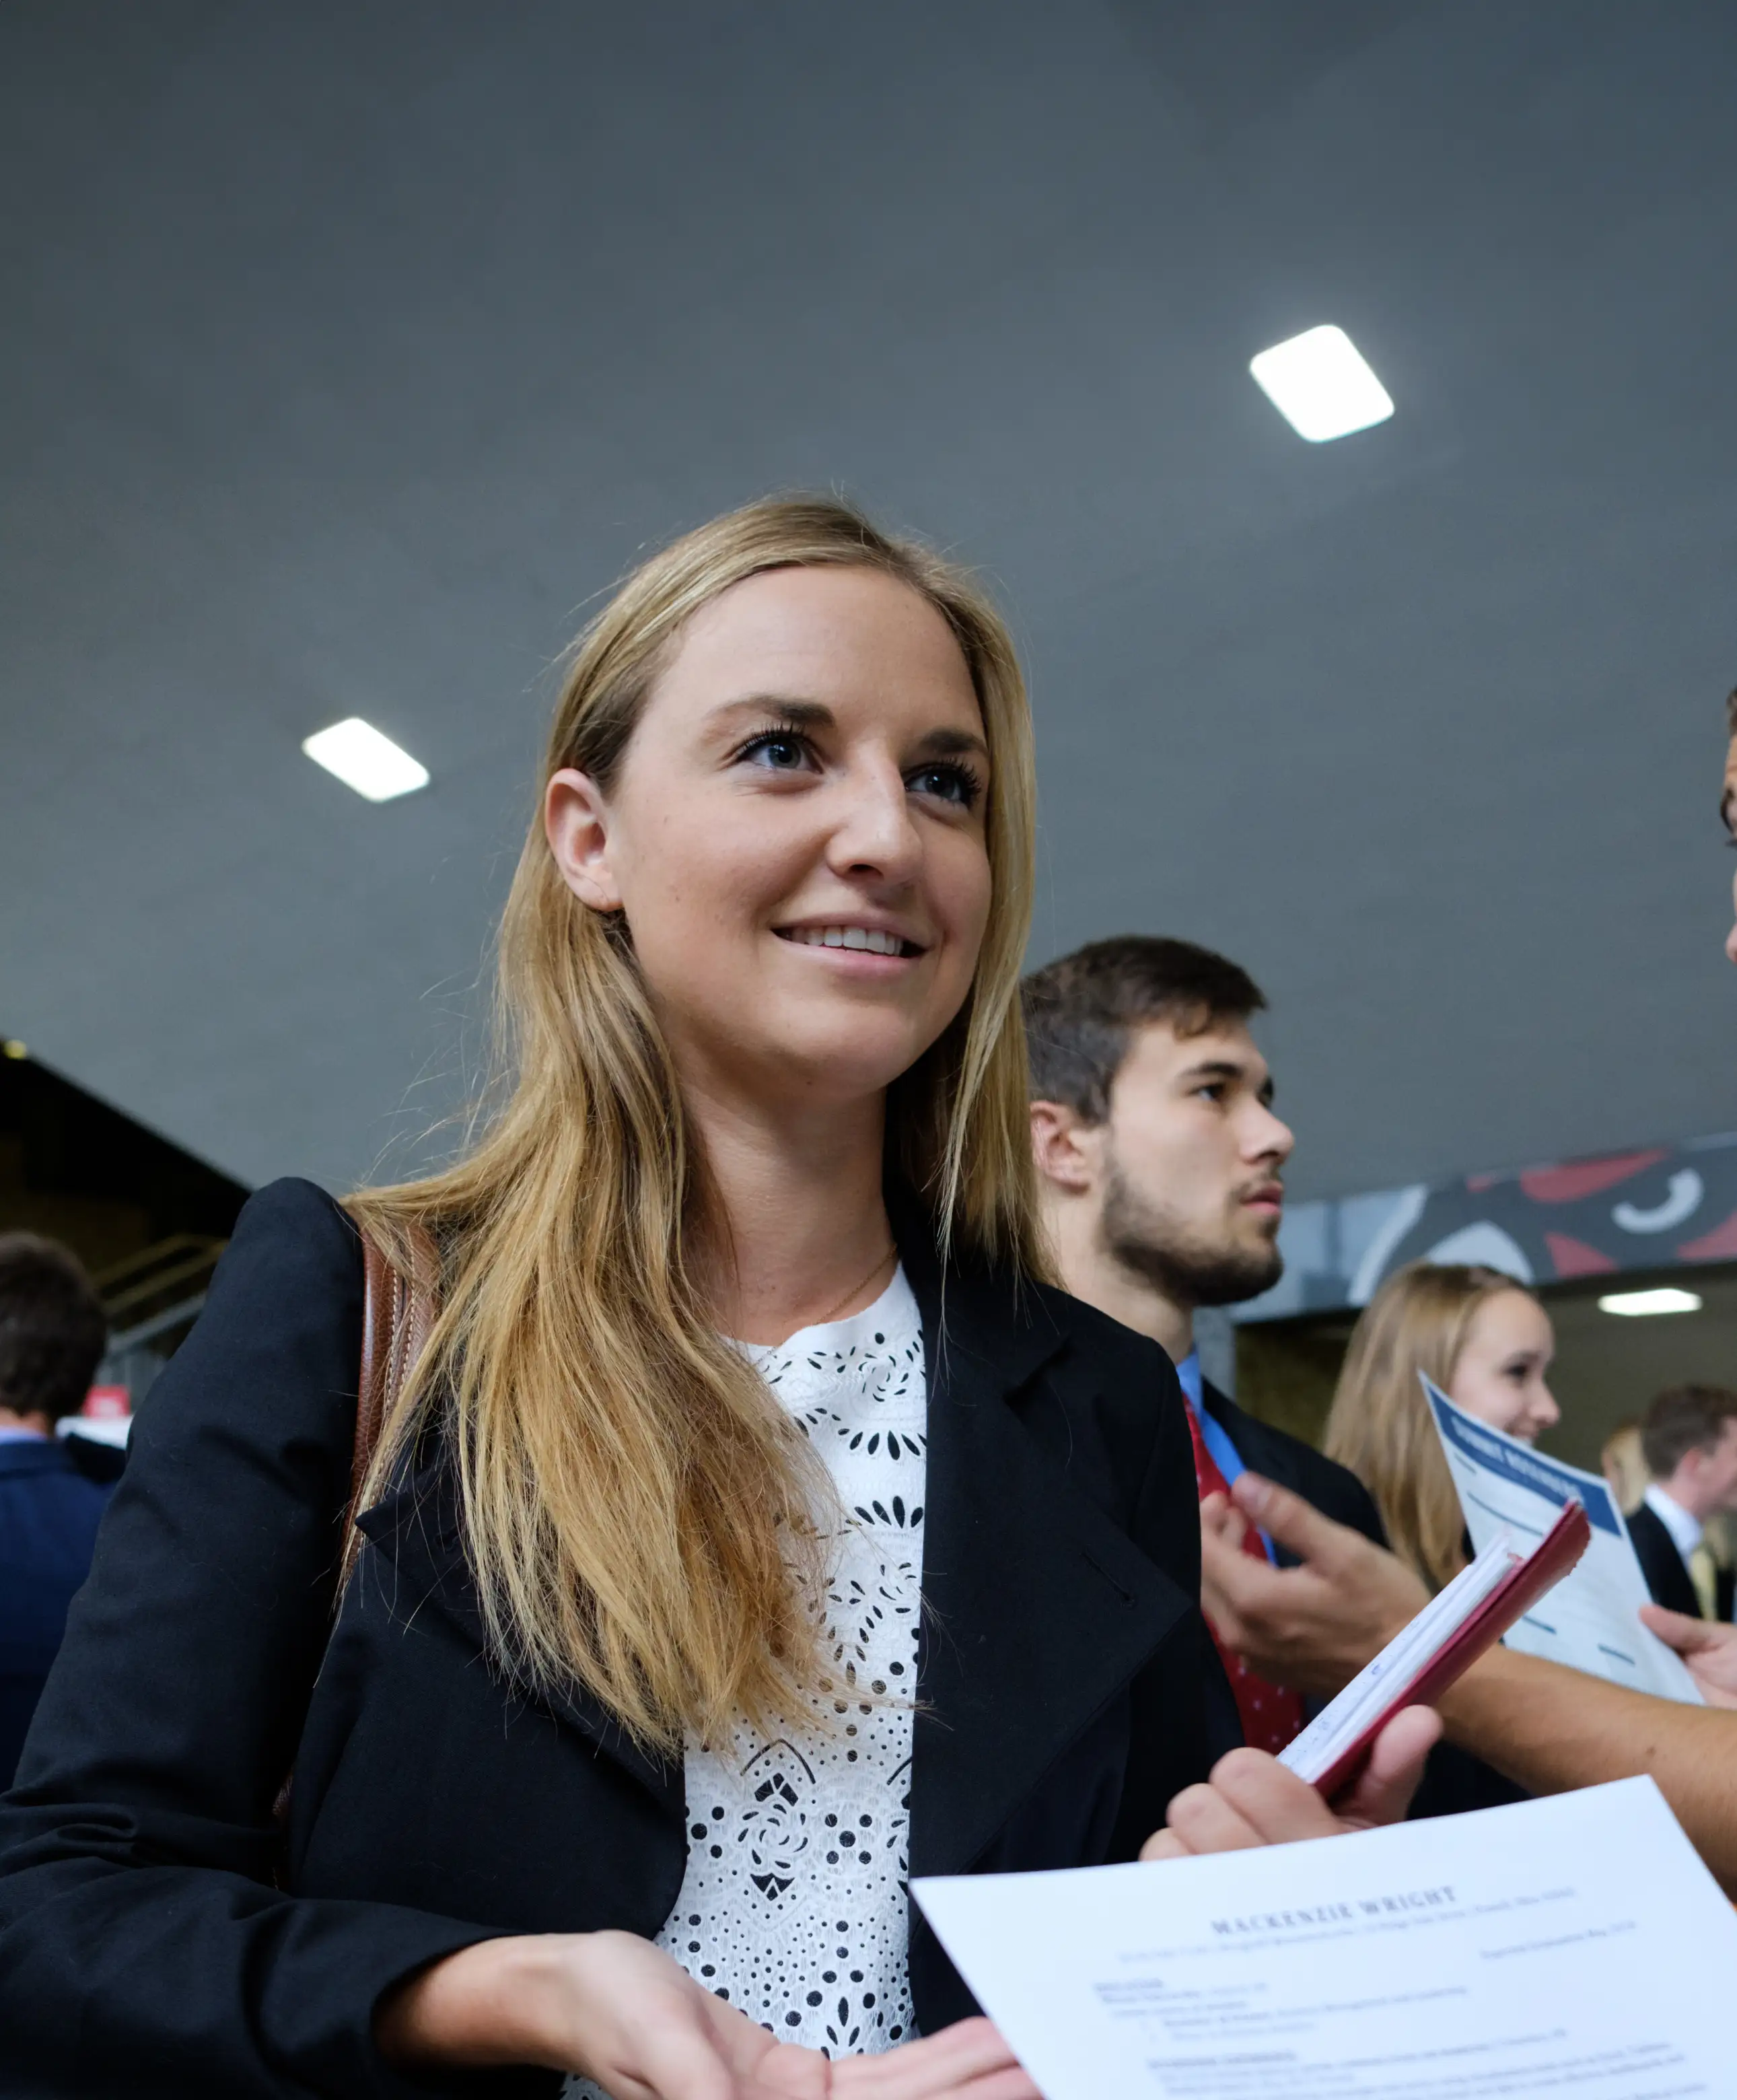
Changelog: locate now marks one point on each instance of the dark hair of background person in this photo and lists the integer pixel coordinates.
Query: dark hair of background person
(1682, 1419)
(1082, 1009)
(52, 1331)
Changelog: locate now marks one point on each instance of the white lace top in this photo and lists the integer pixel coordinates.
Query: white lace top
(793, 1906)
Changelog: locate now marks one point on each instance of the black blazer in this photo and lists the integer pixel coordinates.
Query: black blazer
(145, 1948)
(1667, 1573)
(1286, 1460)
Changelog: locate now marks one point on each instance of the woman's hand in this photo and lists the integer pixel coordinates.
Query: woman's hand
(619, 2011)
(969, 2059)
(1252, 1799)
(1709, 1650)
(607, 2005)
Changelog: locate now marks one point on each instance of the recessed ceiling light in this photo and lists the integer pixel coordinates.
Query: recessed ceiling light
(1319, 384)
(1636, 1305)
(363, 759)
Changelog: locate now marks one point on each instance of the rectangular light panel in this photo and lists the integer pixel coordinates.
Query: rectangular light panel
(363, 759)
(1319, 384)
(1637, 1304)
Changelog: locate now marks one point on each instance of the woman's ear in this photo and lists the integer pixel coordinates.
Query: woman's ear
(575, 822)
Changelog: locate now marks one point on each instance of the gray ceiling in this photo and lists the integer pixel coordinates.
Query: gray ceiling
(347, 351)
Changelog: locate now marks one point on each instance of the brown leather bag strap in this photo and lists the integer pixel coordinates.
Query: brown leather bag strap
(398, 1314)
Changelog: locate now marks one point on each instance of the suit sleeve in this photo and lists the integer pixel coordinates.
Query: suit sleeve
(143, 1948)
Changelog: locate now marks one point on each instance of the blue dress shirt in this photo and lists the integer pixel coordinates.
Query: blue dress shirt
(1213, 1434)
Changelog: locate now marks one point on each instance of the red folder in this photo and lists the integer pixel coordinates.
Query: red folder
(1462, 1640)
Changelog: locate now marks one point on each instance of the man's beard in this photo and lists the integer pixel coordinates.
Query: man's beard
(1187, 1269)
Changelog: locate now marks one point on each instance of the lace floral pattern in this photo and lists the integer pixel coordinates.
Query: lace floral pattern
(793, 1905)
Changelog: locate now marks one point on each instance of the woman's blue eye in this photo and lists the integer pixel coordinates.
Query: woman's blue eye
(951, 783)
(778, 751)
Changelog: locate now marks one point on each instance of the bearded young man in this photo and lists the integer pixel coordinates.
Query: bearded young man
(1161, 1167)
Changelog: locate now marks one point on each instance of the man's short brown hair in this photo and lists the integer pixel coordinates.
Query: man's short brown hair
(1684, 1419)
(1081, 1010)
(1730, 713)
(52, 1331)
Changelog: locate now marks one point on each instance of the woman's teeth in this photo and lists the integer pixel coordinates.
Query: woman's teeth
(869, 937)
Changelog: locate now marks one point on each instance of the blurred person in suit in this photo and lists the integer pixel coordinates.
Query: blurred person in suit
(1160, 1174)
(52, 1336)
(1689, 1440)
(1487, 1343)
(1624, 1465)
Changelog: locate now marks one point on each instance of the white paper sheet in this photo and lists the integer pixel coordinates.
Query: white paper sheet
(1590, 1620)
(1568, 1947)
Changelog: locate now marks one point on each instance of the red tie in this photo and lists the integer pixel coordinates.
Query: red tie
(1271, 1716)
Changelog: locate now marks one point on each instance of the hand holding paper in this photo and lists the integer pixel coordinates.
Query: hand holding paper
(1253, 1799)
(1709, 1650)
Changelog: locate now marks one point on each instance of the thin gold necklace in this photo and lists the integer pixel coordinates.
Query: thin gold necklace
(862, 1283)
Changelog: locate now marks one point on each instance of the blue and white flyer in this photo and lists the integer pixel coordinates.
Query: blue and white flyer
(1591, 1620)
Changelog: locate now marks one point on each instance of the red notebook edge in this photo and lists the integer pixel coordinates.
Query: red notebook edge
(1550, 1560)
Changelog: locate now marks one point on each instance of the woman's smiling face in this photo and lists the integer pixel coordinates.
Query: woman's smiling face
(795, 836)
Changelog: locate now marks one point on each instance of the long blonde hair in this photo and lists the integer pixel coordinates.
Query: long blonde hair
(1380, 1426)
(636, 1507)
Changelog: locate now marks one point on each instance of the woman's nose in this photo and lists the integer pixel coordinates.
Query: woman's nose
(1547, 1412)
(875, 831)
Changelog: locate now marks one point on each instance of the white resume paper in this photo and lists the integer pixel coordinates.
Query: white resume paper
(1591, 1619)
(1574, 1947)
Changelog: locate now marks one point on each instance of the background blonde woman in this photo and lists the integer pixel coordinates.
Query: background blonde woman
(1487, 1343)
(760, 1528)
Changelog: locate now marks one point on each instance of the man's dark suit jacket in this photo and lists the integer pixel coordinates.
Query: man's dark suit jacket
(1326, 1485)
(157, 1938)
(1667, 1573)
(49, 1513)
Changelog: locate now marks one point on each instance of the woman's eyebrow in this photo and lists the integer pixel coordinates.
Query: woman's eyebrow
(799, 713)
(953, 743)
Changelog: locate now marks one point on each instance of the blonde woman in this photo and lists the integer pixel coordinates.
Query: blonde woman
(759, 1528)
(1487, 1343)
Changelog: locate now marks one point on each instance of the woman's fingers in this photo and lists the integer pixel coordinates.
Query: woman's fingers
(786, 2072)
(969, 2059)
(676, 2060)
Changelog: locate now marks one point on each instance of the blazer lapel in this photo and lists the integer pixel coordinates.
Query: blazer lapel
(1037, 1608)
(422, 1566)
